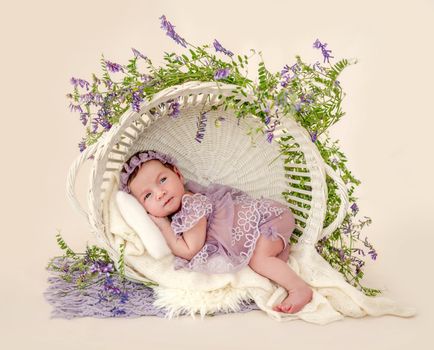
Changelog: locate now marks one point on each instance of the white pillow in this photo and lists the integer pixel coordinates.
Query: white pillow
(138, 219)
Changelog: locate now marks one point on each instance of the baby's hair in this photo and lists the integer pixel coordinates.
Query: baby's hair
(136, 170)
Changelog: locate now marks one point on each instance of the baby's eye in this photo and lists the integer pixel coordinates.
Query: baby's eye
(163, 178)
(147, 195)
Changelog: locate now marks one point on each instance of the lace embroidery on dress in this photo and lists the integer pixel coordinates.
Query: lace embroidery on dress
(193, 208)
(214, 256)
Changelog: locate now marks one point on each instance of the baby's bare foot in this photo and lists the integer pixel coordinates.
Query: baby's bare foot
(297, 298)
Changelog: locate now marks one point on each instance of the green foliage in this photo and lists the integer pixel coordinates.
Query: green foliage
(62, 244)
(121, 261)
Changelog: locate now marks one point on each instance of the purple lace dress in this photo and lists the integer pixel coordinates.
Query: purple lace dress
(235, 221)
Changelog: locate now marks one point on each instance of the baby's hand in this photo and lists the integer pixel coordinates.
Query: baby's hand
(161, 222)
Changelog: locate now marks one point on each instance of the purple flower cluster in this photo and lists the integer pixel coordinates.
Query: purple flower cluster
(303, 100)
(174, 109)
(313, 135)
(354, 208)
(138, 54)
(170, 31)
(75, 108)
(82, 145)
(222, 73)
(201, 125)
(137, 100)
(286, 75)
(270, 129)
(219, 48)
(80, 82)
(113, 67)
(326, 53)
(372, 252)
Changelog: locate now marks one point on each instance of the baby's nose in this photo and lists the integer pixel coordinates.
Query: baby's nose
(161, 194)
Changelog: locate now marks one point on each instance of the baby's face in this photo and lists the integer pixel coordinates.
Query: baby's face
(158, 189)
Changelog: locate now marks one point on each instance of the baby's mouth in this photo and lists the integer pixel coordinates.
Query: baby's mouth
(168, 201)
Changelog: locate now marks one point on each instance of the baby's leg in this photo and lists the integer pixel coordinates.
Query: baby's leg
(265, 262)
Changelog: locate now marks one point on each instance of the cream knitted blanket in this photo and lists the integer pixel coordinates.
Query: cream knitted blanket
(198, 293)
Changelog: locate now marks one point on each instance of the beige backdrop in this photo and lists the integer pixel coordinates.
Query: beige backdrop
(386, 135)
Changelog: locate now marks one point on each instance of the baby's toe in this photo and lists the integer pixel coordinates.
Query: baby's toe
(277, 308)
(287, 308)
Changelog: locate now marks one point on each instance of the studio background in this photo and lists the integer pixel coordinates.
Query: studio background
(386, 135)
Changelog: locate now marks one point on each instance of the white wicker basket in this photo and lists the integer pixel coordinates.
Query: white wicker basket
(226, 155)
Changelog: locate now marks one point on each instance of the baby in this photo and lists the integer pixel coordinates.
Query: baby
(216, 229)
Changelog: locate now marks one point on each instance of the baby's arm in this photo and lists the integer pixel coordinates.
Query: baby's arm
(195, 237)
(191, 241)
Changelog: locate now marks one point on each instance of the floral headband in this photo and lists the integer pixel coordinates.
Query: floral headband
(137, 161)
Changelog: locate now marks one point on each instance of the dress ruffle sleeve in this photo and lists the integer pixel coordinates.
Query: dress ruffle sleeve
(193, 208)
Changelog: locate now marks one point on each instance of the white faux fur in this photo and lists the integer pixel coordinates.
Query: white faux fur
(137, 218)
(194, 292)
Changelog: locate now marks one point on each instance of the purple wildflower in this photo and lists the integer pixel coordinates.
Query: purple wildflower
(174, 107)
(359, 251)
(87, 98)
(354, 208)
(326, 53)
(82, 145)
(201, 125)
(94, 125)
(267, 120)
(105, 123)
(110, 287)
(284, 70)
(219, 48)
(97, 99)
(137, 99)
(222, 73)
(306, 99)
(359, 265)
(102, 120)
(372, 251)
(313, 136)
(170, 31)
(73, 108)
(81, 82)
(113, 67)
(295, 68)
(137, 53)
(285, 81)
(270, 136)
(108, 83)
(373, 254)
(84, 117)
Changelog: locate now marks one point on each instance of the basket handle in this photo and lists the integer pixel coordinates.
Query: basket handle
(72, 176)
(343, 195)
